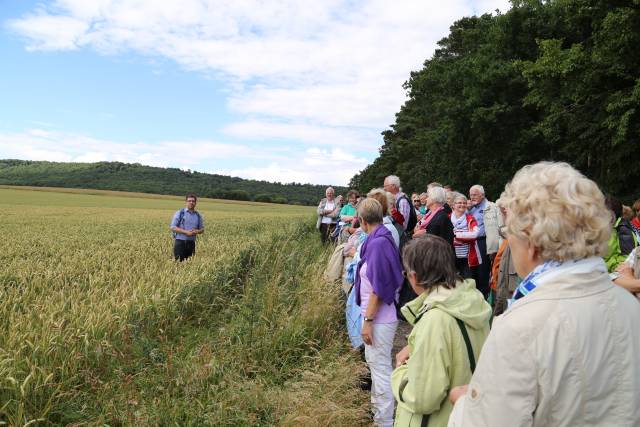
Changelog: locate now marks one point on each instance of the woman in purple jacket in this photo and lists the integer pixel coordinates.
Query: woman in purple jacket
(378, 280)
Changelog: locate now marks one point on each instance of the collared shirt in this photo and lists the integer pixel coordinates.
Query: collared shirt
(478, 213)
(190, 221)
(405, 208)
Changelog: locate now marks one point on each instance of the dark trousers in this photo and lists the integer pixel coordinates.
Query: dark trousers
(482, 272)
(325, 232)
(462, 265)
(183, 249)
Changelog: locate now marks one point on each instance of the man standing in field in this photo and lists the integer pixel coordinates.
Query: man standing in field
(187, 223)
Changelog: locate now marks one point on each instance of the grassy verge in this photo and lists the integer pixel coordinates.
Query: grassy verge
(255, 338)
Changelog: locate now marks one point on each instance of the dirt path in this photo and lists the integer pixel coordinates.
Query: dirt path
(400, 340)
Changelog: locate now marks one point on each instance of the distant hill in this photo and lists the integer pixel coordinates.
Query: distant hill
(147, 179)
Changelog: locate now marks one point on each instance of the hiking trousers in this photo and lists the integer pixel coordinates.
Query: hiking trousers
(378, 357)
(183, 249)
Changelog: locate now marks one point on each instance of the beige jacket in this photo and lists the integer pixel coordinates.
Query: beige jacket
(567, 354)
(333, 215)
(492, 223)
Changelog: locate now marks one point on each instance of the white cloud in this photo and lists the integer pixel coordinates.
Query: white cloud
(46, 32)
(327, 72)
(39, 144)
(348, 138)
(316, 166)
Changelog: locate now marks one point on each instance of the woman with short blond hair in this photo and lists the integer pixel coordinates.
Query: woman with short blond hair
(378, 281)
(567, 350)
(387, 200)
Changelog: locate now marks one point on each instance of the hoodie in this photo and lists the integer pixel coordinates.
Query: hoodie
(438, 358)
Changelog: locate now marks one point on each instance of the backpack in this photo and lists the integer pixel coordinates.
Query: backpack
(622, 241)
(413, 218)
(181, 221)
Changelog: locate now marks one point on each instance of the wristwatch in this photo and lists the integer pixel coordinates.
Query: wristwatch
(368, 319)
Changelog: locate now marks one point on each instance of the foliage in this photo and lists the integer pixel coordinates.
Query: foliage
(548, 80)
(147, 179)
(99, 326)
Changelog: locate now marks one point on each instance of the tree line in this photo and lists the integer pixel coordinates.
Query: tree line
(146, 179)
(548, 80)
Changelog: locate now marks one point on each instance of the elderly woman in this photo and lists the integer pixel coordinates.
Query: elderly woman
(450, 321)
(437, 221)
(348, 211)
(328, 212)
(387, 200)
(465, 230)
(567, 350)
(378, 281)
(347, 217)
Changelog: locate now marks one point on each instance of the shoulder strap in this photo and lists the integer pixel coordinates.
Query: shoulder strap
(199, 220)
(465, 337)
(180, 217)
(404, 196)
(467, 342)
(472, 360)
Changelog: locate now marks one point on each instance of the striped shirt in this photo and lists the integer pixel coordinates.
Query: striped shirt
(460, 224)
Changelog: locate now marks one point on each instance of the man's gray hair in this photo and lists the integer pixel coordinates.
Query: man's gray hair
(437, 194)
(330, 188)
(478, 187)
(394, 180)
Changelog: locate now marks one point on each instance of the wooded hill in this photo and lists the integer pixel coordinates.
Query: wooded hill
(146, 179)
(548, 80)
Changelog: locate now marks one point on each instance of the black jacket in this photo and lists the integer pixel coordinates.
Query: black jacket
(441, 226)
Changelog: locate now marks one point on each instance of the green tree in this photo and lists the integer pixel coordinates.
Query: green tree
(548, 80)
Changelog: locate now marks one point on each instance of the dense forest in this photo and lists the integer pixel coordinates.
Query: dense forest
(548, 80)
(147, 179)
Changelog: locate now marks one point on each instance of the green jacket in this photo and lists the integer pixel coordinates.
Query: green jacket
(622, 241)
(438, 358)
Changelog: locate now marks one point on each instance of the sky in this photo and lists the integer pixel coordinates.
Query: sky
(277, 90)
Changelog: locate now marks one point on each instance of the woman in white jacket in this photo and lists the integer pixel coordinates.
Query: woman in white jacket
(567, 351)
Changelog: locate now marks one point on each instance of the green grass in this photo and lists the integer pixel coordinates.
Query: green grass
(100, 326)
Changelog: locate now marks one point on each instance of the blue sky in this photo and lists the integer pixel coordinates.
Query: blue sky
(284, 90)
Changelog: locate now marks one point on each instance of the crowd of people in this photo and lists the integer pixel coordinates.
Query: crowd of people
(524, 312)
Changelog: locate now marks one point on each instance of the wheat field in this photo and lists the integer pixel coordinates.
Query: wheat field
(99, 326)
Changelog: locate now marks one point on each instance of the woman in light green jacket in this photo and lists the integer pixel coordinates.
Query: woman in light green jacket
(450, 321)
